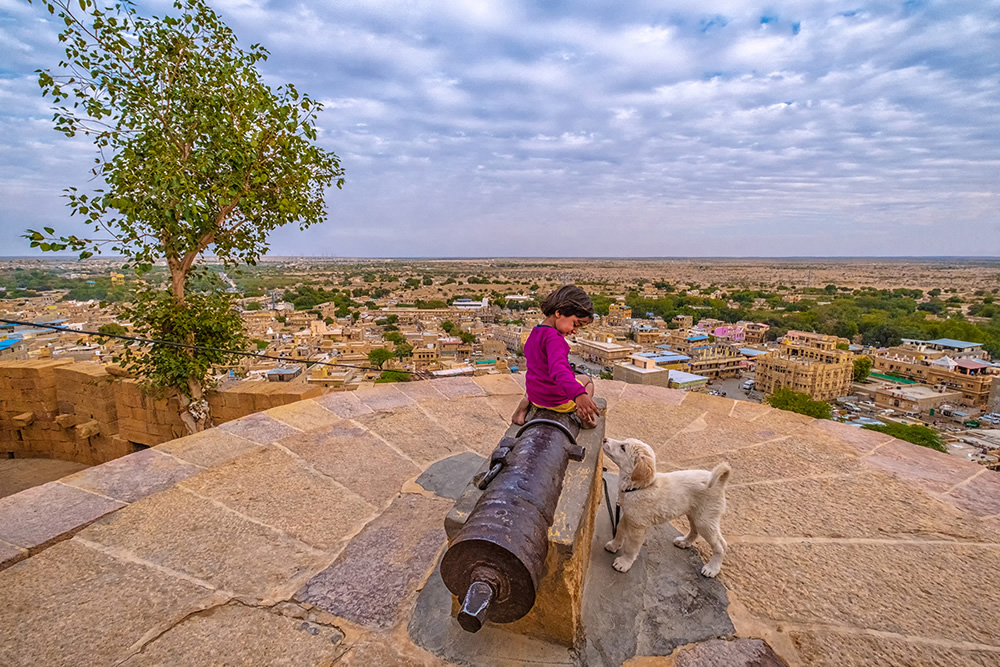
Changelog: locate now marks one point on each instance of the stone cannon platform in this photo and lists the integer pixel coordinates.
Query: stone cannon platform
(309, 534)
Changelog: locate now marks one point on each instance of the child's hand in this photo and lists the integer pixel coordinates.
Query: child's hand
(586, 408)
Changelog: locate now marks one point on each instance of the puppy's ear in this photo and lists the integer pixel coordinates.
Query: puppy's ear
(645, 467)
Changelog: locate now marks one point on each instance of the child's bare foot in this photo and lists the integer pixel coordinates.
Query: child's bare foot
(521, 413)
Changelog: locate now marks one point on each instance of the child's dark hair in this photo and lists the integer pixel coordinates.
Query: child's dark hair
(570, 301)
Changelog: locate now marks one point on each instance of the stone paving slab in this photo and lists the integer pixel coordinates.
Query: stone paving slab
(133, 477)
(471, 422)
(789, 457)
(713, 434)
(652, 422)
(930, 590)
(237, 634)
(357, 459)
(980, 495)
(499, 385)
(71, 605)
(10, 554)
(279, 490)
(649, 392)
(307, 415)
(344, 404)
(43, 515)
(381, 567)
(384, 398)
(826, 648)
(871, 505)
(449, 477)
(203, 539)
(411, 432)
(864, 441)
(458, 387)
(421, 391)
(258, 428)
(934, 471)
(209, 448)
(17, 475)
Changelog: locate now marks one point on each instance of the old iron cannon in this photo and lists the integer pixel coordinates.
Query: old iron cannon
(495, 562)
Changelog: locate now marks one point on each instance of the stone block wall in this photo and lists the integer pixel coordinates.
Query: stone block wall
(76, 411)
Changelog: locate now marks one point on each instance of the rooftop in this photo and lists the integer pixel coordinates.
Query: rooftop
(951, 342)
(308, 534)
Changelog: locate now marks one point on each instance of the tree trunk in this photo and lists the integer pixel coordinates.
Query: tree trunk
(194, 408)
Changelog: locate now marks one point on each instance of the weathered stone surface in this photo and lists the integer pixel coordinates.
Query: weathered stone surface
(715, 405)
(236, 634)
(890, 587)
(307, 415)
(279, 490)
(382, 566)
(449, 477)
(421, 391)
(504, 405)
(209, 448)
(411, 432)
(790, 457)
(357, 459)
(750, 411)
(934, 471)
(824, 648)
(135, 476)
(845, 507)
(471, 422)
(499, 385)
(652, 393)
(344, 404)
(459, 387)
(862, 440)
(259, 428)
(10, 554)
(652, 422)
(72, 605)
(25, 419)
(713, 434)
(732, 653)
(680, 606)
(980, 495)
(386, 651)
(16, 475)
(198, 537)
(433, 628)
(40, 516)
(383, 397)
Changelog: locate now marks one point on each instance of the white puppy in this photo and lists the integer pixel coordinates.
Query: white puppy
(648, 498)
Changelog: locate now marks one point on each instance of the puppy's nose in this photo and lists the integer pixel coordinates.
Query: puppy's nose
(605, 441)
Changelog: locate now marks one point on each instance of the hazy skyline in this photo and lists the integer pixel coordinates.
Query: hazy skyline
(473, 128)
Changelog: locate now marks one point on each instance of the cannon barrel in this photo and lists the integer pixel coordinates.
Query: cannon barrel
(495, 562)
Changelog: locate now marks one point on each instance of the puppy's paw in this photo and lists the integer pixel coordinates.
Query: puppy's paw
(612, 547)
(622, 564)
(710, 570)
(681, 542)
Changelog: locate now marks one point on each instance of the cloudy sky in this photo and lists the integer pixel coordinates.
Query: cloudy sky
(582, 128)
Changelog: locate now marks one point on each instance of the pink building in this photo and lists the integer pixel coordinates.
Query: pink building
(729, 333)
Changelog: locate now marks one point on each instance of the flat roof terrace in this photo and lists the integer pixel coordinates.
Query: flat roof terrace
(309, 533)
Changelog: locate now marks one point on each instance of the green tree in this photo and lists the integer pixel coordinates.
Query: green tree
(448, 327)
(786, 399)
(253, 305)
(862, 367)
(393, 376)
(112, 329)
(196, 154)
(403, 350)
(379, 356)
(915, 433)
(395, 337)
(467, 337)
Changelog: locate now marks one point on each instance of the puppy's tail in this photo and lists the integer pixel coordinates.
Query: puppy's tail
(720, 475)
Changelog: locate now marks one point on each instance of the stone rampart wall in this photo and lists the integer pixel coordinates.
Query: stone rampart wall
(77, 411)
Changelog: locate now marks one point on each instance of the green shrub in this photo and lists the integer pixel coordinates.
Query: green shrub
(918, 435)
(786, 399)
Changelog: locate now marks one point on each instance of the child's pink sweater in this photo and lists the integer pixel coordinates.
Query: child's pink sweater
(549, 380)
